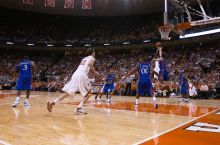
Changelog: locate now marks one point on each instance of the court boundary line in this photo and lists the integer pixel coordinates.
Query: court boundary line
(69, 103)
(4, 142)
(169, 130)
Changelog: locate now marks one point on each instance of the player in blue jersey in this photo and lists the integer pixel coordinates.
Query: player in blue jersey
(163, 71)
(25, 70)
(184, 89)
(145, 86)
(108, 87)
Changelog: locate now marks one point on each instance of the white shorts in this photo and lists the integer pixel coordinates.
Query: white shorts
(79, 82)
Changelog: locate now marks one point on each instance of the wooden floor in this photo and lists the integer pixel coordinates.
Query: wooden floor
(114, 124)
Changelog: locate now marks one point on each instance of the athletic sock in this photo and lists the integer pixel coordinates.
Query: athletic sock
(17, 98)
(80, 105)
(154, 99)
(136, 101)
(56, 100)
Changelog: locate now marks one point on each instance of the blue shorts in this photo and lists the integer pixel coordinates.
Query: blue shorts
(108, 88)
(183, 90)
(145, 87)
(164, 75)
(24, 82)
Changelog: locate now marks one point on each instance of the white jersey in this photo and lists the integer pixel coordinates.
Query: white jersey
(157, 68)
(84, 65)
(157, 65)
(80, 80)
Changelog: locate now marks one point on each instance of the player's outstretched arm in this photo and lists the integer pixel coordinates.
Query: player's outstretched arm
(15, 74)
(93, 70)
(159, 50)
(132, 72)
(33, 67)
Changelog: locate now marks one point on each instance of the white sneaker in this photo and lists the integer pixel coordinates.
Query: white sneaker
(181, 100)
(98, 99)
(187, 100)
(79, 111)
(136, 107)
(109, 101)
(15, 104)
(26, 104)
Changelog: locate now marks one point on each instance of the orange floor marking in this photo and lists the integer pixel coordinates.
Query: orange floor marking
(13, 95)
(7, 95)
(183, 110)
(181, 136)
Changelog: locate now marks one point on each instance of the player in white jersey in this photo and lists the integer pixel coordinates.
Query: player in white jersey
(157, 58)
(156, 67)
(79, 82)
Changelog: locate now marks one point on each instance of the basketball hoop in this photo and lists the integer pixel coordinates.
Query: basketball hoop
(164, 32)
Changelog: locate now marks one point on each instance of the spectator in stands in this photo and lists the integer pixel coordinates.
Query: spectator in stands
(204, 90)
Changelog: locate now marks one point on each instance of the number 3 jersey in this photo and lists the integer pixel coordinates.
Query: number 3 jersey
(24, 68)
(144, 71)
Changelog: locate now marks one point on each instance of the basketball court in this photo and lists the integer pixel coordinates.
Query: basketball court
(117, 123)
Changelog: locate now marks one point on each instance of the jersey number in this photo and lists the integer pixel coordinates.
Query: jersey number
(144, 71)
(25, 67)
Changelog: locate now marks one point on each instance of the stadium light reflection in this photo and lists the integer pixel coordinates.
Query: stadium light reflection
(126, 43)
(30, 44)
(69, 45)
(146, 41)
(9, 43)
(87, 45)
(50, 45)
(201, 33)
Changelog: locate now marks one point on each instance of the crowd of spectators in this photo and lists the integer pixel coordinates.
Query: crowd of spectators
(39, 29)
(22, 28)
(201, 66)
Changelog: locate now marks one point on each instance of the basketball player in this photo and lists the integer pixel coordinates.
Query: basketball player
(145, 86)
(163, 71)
(108, 87)
(184, 89)
(79, 82)
(160, 65)
(25, 69)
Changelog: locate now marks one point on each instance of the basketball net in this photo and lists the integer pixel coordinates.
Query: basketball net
(164, 32)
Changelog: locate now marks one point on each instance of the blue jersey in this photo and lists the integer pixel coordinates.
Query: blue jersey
(162, 66)
(163, 71)
(144, 71)
(110, 79)
(183, 81)
(183, 84)
(24, 67)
